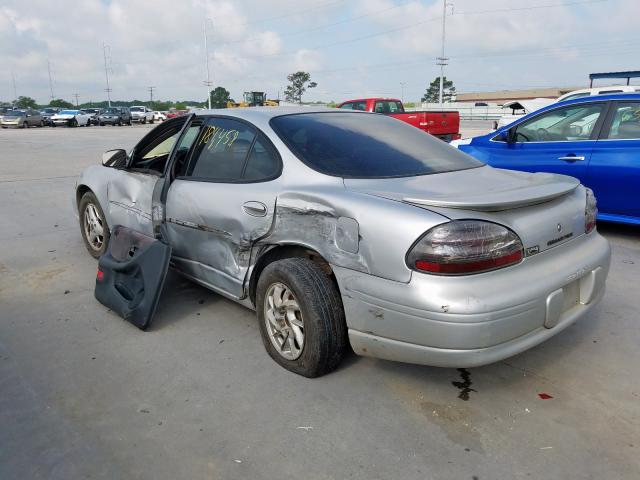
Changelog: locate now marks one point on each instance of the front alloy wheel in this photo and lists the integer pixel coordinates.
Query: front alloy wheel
(283, 320)
(94, 227)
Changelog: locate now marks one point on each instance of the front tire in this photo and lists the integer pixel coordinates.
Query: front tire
(93, 225)
(301, 317)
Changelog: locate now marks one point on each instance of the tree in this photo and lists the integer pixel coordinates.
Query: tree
(299, 81)
(433, 91)
(219, 97)
(26, 102)
(60, 103)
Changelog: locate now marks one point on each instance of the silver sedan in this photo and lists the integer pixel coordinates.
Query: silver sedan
(342, 228)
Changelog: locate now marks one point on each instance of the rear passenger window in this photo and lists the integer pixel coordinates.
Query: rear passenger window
(229, 151)
(626, 122)
(263, 162)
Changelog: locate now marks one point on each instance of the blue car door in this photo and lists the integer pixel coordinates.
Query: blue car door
(560, 140)
(614, 170)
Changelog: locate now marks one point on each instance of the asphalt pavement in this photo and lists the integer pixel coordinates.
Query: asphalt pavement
(83, 394)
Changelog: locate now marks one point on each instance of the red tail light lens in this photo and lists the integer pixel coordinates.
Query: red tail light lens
(464, 247)
(590, 212)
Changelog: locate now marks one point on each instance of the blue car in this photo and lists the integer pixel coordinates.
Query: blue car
(595, 139)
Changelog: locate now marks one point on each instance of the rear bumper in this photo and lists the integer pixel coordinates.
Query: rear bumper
(478, 319)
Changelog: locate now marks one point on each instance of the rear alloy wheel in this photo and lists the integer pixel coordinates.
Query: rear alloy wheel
(301, 317)
(25, 124)
(41, 123)
(93, 226)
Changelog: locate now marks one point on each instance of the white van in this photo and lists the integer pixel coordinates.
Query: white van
(587, 92)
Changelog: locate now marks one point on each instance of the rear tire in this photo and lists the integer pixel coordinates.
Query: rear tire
(308, 323)
(25, 124)
(92, 220)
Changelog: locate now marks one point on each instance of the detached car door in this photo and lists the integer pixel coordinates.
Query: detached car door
(614, 170)
(559, 141)
(130, 191)
(221, 201)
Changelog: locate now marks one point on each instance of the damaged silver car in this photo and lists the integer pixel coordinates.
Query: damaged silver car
(344, 228)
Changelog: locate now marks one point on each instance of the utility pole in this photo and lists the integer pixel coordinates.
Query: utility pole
(150, 94)
(402, 91)
(15, 90)
(106, 71)
(207, 82)
(50, 80)
(76, 96)
(442, 60)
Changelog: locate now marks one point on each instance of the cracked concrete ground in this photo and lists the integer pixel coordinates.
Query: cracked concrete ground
(84, 394)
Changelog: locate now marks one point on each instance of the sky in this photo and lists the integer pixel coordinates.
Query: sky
(351, 48)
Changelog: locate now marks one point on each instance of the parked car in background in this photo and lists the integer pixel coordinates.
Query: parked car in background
(47, 113)
(4, 111)
(115, 116)
(70, 118)
(159, 116)
(595, 139)
(22, 119)
(518, 108)
(93, 115)
(343, 227)
(444, 125)
(141, 114)
(173, 113)
(587, 92)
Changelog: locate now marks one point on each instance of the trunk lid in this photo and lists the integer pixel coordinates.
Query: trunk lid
(544, 209)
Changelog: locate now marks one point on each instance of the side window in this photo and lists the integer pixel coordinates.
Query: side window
(152, 152)
(263, 162)
(561, 125)
(387, 106)
(221, 150)
(359, 106)
(626, 122)
(347, 106)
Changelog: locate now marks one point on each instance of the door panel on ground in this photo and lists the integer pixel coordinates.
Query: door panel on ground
(131, 275)
(223, 204)
(614, 170)
(557, 141)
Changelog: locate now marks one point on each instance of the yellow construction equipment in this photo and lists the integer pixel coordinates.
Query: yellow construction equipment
(253, 99)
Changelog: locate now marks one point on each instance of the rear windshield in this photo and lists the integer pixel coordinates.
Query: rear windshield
(137, 109)
(356, 145)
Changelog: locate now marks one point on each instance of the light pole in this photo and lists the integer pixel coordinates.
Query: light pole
(442, 60)
(206, 50)
(402, 91)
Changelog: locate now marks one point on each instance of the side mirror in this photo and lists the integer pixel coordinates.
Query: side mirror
(114, 158)
(505, 136)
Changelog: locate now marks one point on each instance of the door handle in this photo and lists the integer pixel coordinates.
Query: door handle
(255, 209)
(571, 158)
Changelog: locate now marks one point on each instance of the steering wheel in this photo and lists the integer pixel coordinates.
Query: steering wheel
(543, 134)
(520, 134)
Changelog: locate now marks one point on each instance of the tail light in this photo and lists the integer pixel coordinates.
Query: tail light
(590, 212)
(464, 247)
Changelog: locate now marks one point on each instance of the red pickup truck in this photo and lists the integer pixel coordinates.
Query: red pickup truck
(444, 125)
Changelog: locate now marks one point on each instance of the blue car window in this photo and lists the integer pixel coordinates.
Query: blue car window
(572, 123)
(626, 122)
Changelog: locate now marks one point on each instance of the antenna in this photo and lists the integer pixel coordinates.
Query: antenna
(106, 70)
(150, 94)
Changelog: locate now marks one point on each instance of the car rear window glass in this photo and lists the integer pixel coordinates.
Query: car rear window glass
(388, 106)
(367, 146)
(355, 106)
